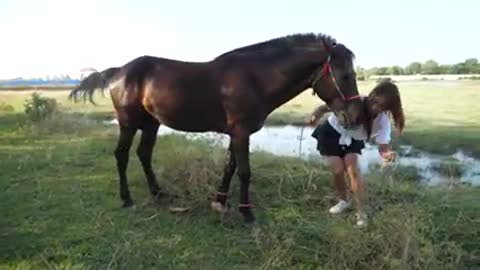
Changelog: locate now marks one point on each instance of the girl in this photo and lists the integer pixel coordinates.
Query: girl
(342, 146)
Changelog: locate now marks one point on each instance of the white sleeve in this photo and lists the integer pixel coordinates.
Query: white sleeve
(384, 129)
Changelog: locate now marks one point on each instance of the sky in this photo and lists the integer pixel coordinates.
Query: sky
(45, 37)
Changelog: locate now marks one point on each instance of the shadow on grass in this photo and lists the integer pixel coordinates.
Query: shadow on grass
(18, 245)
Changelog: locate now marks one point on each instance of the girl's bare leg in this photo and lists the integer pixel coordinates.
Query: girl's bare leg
(338, 170)
(358, 186)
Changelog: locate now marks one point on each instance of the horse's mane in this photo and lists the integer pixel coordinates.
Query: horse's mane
(282, 45)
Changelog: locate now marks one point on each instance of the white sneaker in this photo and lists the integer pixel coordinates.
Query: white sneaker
(362, 220)
(340, 207)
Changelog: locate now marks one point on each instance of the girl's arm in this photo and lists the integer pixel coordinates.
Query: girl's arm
(317, 114)
(383, 138)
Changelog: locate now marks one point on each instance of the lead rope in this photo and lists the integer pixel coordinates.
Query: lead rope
(300, 143)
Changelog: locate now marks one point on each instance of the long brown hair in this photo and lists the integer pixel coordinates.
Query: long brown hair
(384, 97)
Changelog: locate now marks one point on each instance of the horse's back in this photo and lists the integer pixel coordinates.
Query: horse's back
(189, 96)
(182, 95)
(131, 78)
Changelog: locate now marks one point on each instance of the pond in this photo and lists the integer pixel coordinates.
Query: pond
(293, 141)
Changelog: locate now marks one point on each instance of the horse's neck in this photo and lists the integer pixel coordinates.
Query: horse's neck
(296, 80)
(286, 94)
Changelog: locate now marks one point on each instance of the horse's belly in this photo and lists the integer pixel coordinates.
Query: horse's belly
(186, 111)
(193, 122)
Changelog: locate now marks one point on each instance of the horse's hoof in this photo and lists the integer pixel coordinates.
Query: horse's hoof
(218, 207)
(248, 217)
(157, 193)
(249, 220)
(127, 204)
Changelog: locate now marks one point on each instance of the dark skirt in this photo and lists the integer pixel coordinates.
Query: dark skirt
(327, 142)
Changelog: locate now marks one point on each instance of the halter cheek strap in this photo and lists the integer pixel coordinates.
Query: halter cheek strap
(351, 98)
(328, 72)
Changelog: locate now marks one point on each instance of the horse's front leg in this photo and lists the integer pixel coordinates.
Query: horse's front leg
(241, 151)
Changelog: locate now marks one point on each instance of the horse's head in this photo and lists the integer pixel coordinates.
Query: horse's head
(335, 83)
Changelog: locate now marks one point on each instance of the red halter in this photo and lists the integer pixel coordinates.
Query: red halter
(327, 72)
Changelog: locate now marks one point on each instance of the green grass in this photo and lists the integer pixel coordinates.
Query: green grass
(59, 209)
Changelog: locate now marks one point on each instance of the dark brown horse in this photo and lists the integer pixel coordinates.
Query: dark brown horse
(232, 94)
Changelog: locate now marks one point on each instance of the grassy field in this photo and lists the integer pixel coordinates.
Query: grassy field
(59, 205)
(441, 116)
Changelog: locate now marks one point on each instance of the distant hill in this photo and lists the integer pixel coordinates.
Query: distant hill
(68, 79)
(63, 80)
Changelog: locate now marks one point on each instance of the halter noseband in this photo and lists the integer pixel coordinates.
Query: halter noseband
(327, 71)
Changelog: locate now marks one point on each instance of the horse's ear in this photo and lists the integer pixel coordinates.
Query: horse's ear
(328, 47)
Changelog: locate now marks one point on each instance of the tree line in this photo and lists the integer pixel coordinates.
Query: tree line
(469, 66)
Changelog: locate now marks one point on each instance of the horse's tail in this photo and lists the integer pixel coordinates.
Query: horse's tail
(87, 86)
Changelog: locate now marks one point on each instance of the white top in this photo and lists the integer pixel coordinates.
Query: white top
(381, 130)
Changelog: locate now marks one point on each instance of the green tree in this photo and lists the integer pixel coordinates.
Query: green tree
(444, 69)
(457, 69)
(372, 71)
(430, 67)
(413, 68)
(395, 70)
(381, 71)
(471, 65)
(361, 73)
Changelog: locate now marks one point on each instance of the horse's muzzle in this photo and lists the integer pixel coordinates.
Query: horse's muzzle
(344, 120)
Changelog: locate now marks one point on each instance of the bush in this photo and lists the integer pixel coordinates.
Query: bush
(39, 108)
(4, 107)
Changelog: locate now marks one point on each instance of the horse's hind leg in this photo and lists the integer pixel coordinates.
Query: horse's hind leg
(144, 152)
(121, 154)
(222, 194)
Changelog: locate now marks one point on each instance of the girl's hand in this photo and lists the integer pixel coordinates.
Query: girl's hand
(386, 153)
(310, 120)
(388, 157)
